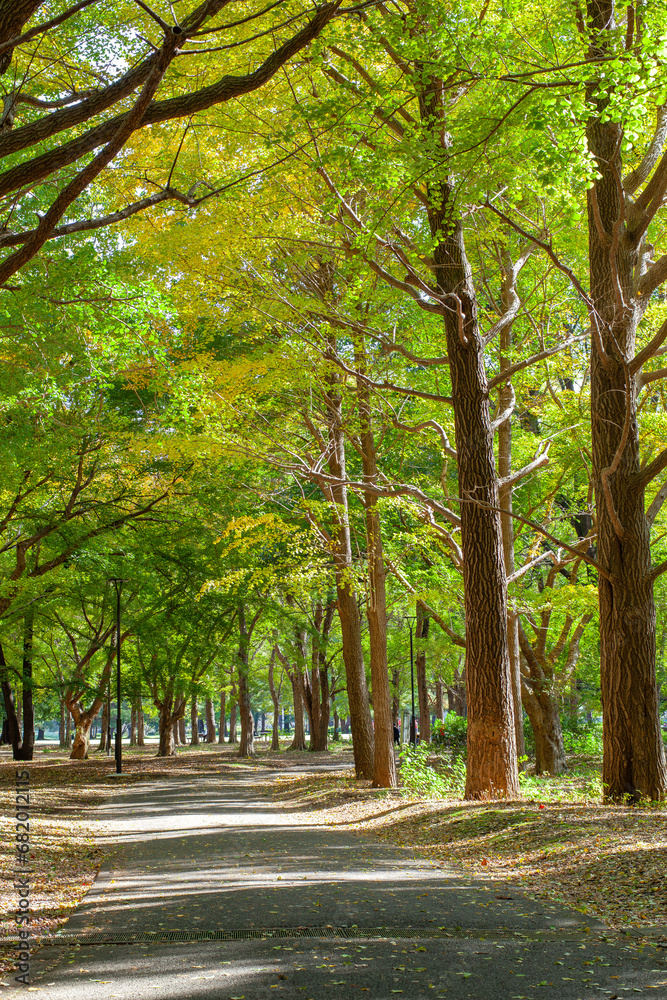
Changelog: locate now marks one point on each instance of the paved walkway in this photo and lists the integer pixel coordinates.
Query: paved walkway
(217, 892)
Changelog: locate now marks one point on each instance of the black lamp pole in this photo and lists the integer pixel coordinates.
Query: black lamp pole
(118, 586)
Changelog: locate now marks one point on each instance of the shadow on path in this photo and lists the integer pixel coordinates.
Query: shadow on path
(216, 856)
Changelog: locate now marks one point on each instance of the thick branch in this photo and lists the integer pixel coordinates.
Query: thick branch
(652, 470)
(227, 88)
(637, 176)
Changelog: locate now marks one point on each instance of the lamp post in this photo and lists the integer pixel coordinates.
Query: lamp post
(118, 587)
(402, 620)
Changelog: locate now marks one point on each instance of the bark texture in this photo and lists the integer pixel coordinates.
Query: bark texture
(633, 758)
(194, 722)
(222, 728)
(492, 759)
(384, 764)
(141, 740)
(295, 674)
(421, 633)
(210, 722)
(246, 744)
(348, 609)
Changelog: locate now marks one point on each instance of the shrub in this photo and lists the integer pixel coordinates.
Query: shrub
(420, 779)
(451, 734)
(582, 737)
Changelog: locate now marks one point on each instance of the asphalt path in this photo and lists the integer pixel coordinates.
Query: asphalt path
(216, 890)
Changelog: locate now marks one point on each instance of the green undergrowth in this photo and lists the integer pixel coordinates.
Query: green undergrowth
(429, 773)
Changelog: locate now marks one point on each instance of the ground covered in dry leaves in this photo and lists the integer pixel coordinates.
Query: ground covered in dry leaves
(558, 843)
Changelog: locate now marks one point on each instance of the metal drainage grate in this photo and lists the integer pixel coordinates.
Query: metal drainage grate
(266, 933)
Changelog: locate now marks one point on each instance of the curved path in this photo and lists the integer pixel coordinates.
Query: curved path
(218, 893)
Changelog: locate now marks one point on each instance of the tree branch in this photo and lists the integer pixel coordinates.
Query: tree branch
(227, 88)
(637, 176)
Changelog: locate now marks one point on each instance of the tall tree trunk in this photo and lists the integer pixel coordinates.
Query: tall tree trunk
(194, 722)
(182, 735)
(222, 728)
(439, 704)
(171, 710)
(62, 723)
(336, 718)
(141, 737)
(104, 726)
(177, 735)
(82, 724)
(246, 746)
(492, 759)
(25, 751)
(505, 398)
(546, 726)
(210, 722)
(84, 718)
(275, 697)
(384, 764)
(421, 632)
(233, 711)
(541, 702)
(348, 610)
(133, 723)
(318, 696)
(633, 756)
(10, 707)
(166, 746)
(313, 695)
(296, 679)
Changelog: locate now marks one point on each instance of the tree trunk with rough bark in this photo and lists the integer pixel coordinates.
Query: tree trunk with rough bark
(133, 723)
(177, 735)
(25, 751)
(633, 755)
(210, 722)
(456, 694)
(275, 698)
(421, 632)
(171, 709)
(141, 736)
(104, 726)
(246, 745)
(233, 713)
(492, 769)
(194, 722)
(295, 675)
(542, 711)
(166, 746)
(539, 690)
(182, 735)
(317, 694)
(348, 610)
(62, 726)
(439, 703)
(384, 764)
(505, 399)
(222, 728)
(84, 718)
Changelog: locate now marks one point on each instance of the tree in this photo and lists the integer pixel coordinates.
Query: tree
(96, 118)
(620, 213)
